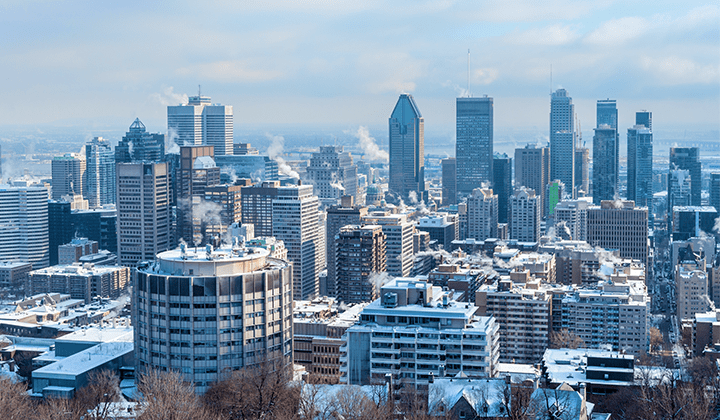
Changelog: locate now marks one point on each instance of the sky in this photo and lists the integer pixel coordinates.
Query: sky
(325, 62)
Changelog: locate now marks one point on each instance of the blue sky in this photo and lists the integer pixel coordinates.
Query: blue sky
(344, 62)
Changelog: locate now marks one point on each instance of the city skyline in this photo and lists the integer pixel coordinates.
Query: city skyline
(659, 57)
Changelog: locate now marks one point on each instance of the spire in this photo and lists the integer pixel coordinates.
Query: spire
(137, 125)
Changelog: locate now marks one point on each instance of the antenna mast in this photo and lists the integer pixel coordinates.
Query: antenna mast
(468, 73)
(551, 85)
(199, 91)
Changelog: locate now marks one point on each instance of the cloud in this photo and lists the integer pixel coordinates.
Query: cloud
(169, 97)
(675, 70)
(483, 76)
(390, 72)
(239, 71)
(618, 31)
(553, 35)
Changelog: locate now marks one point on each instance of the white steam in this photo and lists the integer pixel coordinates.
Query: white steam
(379, 280)
(412, 196)
(169, 97)
(171, 146)
(369, 146)
(277, 144)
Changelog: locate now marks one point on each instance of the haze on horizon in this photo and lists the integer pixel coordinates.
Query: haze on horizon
(340, 62)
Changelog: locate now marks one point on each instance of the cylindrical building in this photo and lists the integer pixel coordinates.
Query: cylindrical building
(207, 312)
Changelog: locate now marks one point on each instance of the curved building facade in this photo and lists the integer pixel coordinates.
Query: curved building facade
(209, 311)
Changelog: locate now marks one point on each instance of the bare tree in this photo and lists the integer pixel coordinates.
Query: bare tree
(166, 396)
(656, 339)
(565, 339)
(15, 403)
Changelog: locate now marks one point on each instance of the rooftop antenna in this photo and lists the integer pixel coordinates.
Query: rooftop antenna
(551, 84)
(468, 73)
(199, 91)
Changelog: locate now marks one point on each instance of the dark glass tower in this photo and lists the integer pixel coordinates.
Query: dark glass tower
(606, 152)
(688, 158)
(140, 146)
(474, 144)
(639, 162)
(502, 184)
(562, 138)
(407, 150)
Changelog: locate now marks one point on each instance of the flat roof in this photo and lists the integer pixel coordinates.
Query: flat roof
(84, 361)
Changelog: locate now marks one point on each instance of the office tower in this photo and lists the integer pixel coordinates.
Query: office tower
(606, 152)
(256, 167)
(295, 222)
(65, 223)
(442, 229)
(24, 224)
(715, 190)
(644, 118)
(562, 138)
(201, 123)
(449, 181)
(332, 173)
(100, 163)
(68, 173)
(482, 214)
(407, 150)
(257, 206)
(337, 217)
(525, 215)
(430, 325)
(229, 200)
(140, 146)
(532, 169)
(143, 211)
(522, 311)
(81, 281)
(640, 165)
(691, 282)
(360, 256)
(197, 172)
(620, 226)
(554, 192)
(679, 190)
(398, 241)
(474, 143)
(582, 169)
(574, 214)
(688, 158)
(242, 316)
(691, 221)
(502, 184)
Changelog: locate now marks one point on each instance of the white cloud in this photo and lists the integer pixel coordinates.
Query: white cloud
(230, 71)
(484, 76)
(556, 34)
(618, 31)
(169, 97)
(678, 71)
(390, 72)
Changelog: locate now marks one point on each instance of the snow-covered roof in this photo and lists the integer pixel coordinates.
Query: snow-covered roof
(486, 396)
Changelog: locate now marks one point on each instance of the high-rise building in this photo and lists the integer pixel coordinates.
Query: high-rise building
(582, 169)
(257, 206)
(242, 316)
(532, 169)
(688, 158)
(574, 214)
(502, 184)
(196, 173)
(562, 138)
(606, 152)
(644, 118)
(295, 222)
(438, 333)
(360, 255)
(140, 146)
(691, 282)
(449, 181)
(68, 175)
(407, 150)
(337, 217)
(333, 173)
(482, 214)
(525, 216)
(620, 226)
(398, 241)
(554, 192)
(199, 122)
(100, 163)
(640, 165)
(474, 143)
(143, 211)
(715, 190)
(442, 229)
(24, 224)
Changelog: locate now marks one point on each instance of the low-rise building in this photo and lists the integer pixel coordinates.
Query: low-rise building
(81, 281)
(14, 274)
(603, 371)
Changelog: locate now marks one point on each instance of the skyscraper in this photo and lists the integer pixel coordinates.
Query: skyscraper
(644, 118)
(143, 211)
(620, 226)
(562, 138)
(398, 240)
(360, 255)
(68, 175)
(407, 150)
(337, 217)
(582, 169)
(525, 216)
(140, 146)
(606, 152)
(201, 122)
(474, 144)
(24, 224)
(715, 190)
(333, 173)
(449, 181)
(196, 173)
(532, 170)
(502, 184)
(100, 164)
(640, 164)
(688, 158)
